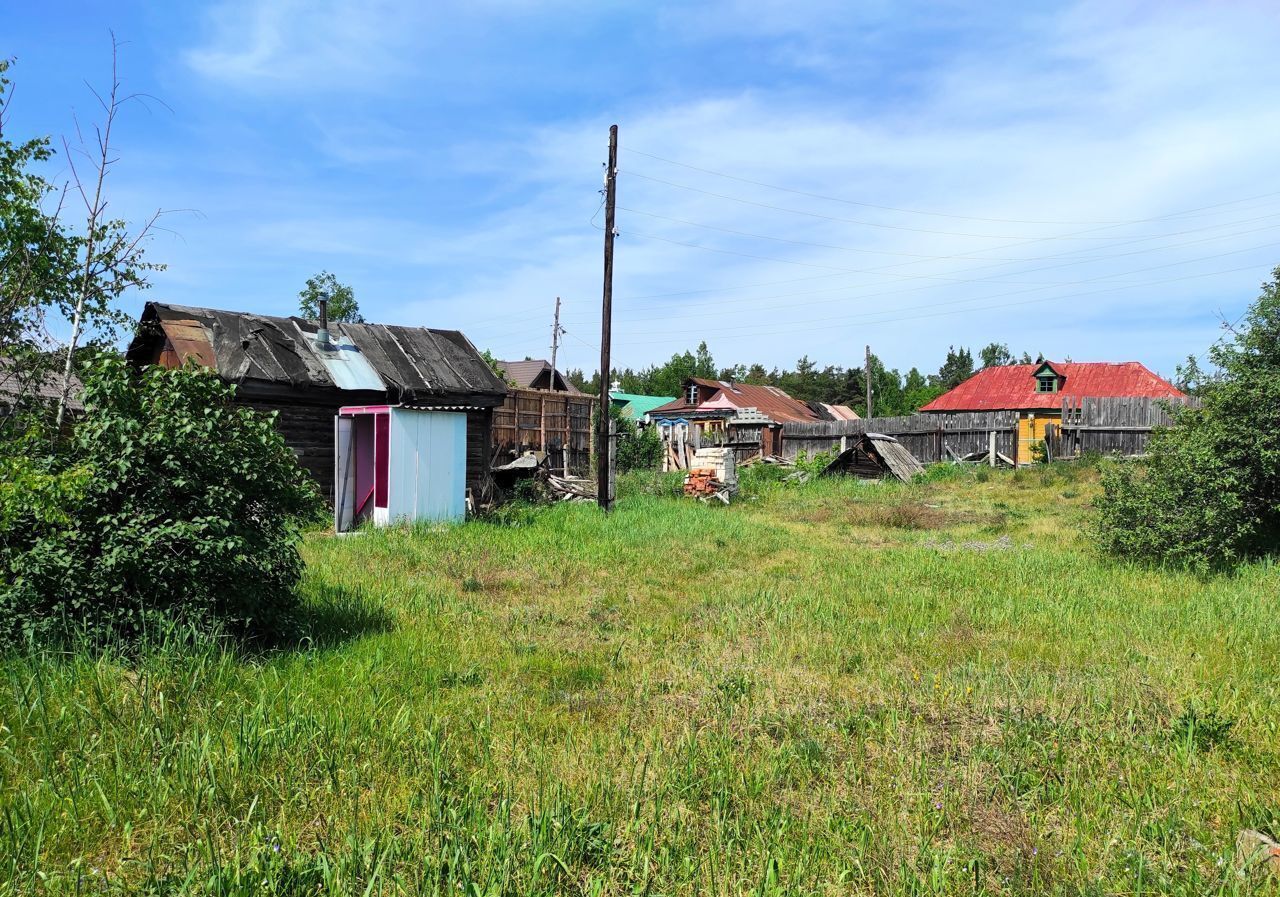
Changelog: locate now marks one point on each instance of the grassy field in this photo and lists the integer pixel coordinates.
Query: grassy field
(840, 688)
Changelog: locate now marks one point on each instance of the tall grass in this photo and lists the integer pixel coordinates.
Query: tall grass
(828, 689)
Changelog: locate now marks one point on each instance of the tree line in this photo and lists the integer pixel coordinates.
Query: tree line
(892, 392)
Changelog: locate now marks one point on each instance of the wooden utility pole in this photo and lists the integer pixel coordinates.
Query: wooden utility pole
(867, 376)
(604, 441)
(555, 344)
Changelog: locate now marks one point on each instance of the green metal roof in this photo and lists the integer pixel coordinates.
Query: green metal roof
(636, 407)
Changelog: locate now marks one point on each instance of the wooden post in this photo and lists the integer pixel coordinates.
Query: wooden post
(612, 478)
(555, 344)
(604, 456)
(991, 450)
(867, 377)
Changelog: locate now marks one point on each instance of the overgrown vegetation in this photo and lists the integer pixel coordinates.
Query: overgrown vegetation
(639, 448)
(168, 505)
(784, 696)
(58, 274)
(1208, 492)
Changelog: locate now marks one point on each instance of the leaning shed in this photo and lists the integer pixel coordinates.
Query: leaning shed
(281, 365)
(873, 456)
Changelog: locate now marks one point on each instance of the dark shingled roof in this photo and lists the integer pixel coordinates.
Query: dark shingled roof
(411, 365)
(47, 389)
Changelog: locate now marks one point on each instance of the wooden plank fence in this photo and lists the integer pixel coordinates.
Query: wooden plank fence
(927, 436)
(1109, 426)
(557, 423)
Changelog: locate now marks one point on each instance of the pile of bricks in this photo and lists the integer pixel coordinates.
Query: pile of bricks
(701, 482)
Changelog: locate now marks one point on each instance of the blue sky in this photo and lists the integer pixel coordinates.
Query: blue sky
(1091, 180)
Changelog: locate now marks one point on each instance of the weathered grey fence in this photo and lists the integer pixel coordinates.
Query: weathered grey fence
(1109, 426)
(930, 437)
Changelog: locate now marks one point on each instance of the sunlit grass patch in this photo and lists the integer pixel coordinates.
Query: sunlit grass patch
(936, 688)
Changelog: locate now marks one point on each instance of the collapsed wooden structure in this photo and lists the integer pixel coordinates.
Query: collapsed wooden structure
(875, 456)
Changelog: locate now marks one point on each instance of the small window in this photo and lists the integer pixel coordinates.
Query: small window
(1046, 384)
(692, 396)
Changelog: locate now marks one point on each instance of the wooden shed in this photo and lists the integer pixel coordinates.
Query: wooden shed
(286, 366)
(875, 456)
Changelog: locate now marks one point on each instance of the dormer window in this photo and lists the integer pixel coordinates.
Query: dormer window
(691, 396)
(1048, 378)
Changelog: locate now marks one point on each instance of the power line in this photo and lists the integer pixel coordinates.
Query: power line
(869, 205)
(772, 329)
(844, 288)
(925, 257)
(1018, 292)
(1078, 235)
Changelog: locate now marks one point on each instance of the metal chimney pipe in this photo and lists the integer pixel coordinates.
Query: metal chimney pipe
(322, 336)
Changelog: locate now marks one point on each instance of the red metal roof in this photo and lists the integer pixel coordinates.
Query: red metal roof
(1013, 387)
(770, 400)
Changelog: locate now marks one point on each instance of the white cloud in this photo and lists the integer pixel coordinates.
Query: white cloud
(308, 44)
(1101, 112)
(1107, 115)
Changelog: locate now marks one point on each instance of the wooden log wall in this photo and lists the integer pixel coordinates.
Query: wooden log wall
(926, 436)
(1110, 426)
(557, 423)
(308, 430)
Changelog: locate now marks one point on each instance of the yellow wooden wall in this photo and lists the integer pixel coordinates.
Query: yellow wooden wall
(1031, 430)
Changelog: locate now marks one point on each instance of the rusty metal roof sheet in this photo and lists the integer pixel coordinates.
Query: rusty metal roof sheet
(769, 400)
(408, 364)
(526, 373)
(1013, 387)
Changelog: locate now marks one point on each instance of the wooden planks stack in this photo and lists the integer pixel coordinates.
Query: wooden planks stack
(571, 488)
(679, 454)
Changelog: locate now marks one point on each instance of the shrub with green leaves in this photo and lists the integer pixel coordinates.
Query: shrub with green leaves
(1207, 494)
(638, 448)
(168, 503)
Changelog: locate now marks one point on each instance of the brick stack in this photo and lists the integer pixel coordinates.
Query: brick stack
(702, 481)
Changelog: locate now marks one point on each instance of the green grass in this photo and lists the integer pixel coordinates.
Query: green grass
(834, 689)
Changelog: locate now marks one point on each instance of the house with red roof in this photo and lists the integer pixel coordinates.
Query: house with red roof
(1037, 392)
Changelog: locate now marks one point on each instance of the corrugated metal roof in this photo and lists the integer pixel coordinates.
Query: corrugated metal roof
(1013, 387)
(841, 412)
(637, 406)
(769, 400)
(409, 364)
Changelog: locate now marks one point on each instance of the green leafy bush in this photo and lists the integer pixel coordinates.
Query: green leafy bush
(168, 503)
(817, 462)
(638, 448)
(1207, 494)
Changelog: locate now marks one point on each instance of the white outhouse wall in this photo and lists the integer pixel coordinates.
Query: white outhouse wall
(428, 473)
